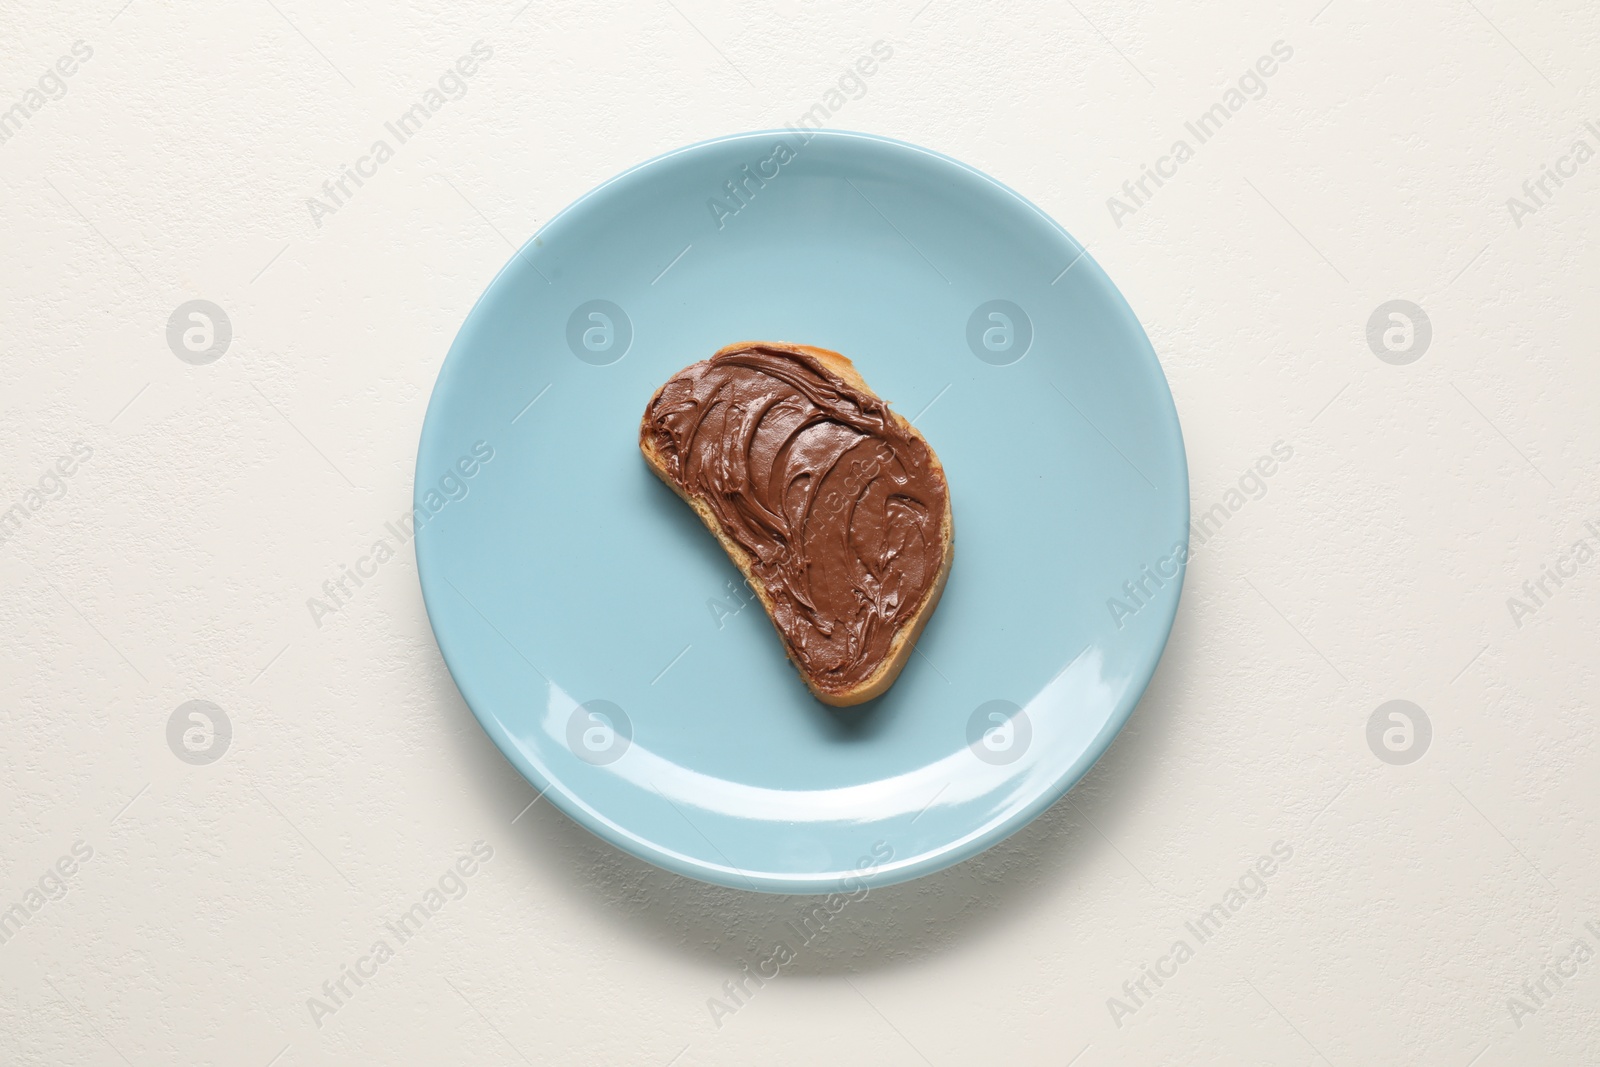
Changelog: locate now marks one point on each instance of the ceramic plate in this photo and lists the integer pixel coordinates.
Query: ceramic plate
(600, 634)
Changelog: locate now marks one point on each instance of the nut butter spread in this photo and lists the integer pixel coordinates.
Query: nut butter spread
(836, 501)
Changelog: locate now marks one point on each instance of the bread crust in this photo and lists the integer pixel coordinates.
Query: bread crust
(904, 639)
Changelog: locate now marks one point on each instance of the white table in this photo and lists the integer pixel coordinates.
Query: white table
(210, 498)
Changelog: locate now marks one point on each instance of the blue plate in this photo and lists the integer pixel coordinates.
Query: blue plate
(600, 634)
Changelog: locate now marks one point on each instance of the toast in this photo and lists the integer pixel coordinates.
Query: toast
(834, 507)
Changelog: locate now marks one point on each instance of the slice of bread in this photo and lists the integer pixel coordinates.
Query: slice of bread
(850, 620)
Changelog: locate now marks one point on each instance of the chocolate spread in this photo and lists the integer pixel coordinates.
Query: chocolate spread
(837, 502)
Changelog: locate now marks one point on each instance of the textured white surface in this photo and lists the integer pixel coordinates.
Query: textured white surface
(176, 562)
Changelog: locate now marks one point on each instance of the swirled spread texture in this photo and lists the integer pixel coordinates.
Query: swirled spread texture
(839, 505)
